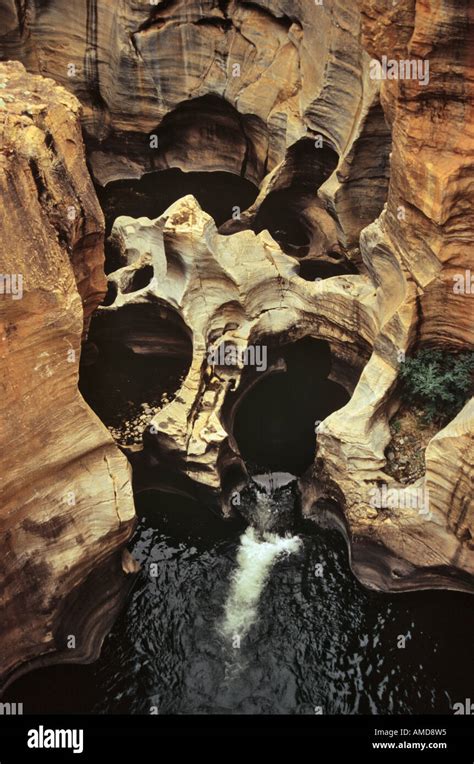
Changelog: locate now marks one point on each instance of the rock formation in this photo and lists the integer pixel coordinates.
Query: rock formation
(280, 93)
(231, 292)
(66, 499)
(420, 242)
(429, 218)
(226, 85)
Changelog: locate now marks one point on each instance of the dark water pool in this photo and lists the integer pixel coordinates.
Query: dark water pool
(318, 639)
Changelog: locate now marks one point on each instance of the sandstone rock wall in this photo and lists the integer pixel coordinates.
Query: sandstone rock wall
(429, 220)
(285, 69)
(412, 252)
(234, 86)
(66, 506)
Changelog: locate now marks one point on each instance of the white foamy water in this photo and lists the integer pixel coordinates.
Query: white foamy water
(255, 558)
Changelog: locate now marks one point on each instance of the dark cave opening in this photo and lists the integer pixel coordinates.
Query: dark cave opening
(218, 193)
(209, 134)
(285, 210)
(140, 279)
(274, 424)
(279, 214)
(310, 270)
(308, 163)
(134, 362)
(111, 294)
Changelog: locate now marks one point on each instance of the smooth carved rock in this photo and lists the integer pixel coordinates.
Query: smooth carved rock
(303, 72)
(420, 242)
(240, 290)
(451, 453)
(429, 222)
(66, 498)
(224, 86)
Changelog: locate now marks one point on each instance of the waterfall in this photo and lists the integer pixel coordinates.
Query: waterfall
(257, 554)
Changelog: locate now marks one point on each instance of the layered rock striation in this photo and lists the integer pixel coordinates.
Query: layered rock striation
(224, 85)
(279, 93)
(231, 293)
(416, 252)
(65, 497)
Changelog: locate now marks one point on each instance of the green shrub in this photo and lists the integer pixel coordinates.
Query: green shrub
(438, 382)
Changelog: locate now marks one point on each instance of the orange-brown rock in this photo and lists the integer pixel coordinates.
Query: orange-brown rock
(429, 221)
(223, 85)
(241, 87)
(415, 252)
(66, 499)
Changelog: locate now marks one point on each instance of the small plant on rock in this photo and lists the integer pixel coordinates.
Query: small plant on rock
(438, 382)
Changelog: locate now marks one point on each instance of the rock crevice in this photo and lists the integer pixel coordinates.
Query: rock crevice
(362, 223)
(64, 518)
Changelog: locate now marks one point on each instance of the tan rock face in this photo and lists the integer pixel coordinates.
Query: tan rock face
(66, 500)
(235, 291)
(413, 252)
(242, 87)
(223, 85)
(430, 218)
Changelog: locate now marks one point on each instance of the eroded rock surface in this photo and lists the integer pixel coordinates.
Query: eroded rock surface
(246, 88)
(226, 85)
(413, 251)
(66, 499)
(231, 292)
(429, 220)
